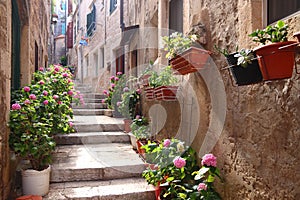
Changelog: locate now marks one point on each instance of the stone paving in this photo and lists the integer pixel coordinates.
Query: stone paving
(97, 162)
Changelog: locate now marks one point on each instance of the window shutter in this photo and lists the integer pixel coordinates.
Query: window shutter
(88, 24)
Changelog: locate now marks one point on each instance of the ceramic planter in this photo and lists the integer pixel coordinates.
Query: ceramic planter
(192, 60)
(244, 75)
(165, 93)
(133, 140)
(149, 94)
(36, 182)
(139, 144)
(276, 60)
(127, 123)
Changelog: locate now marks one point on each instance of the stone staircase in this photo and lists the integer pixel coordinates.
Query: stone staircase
(97, 162)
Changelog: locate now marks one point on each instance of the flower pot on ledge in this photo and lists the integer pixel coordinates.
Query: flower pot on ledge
(244, 75)
(127, 123)
(276, 60)
(149, 93)
(190, 61)
(165, 93)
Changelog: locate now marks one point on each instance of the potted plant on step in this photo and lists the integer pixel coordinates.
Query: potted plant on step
(243, 66)
(39, 111)
(184, 58)
(163, 84)
(141, 131)
(128, 106)
(276, 59)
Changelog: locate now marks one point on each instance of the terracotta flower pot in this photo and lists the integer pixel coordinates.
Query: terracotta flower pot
(139, 144)
(244, 75)
(276, 60)
(30, 197)
(149, 94)
(191, 60)
(165, 93)
(127, 123)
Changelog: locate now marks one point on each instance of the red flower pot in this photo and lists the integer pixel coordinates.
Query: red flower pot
(30, 197)
(157, 192)
(139, 144)
(276, 62)
(165, 93)
(149, 93)
(190, 61)
(127, 123)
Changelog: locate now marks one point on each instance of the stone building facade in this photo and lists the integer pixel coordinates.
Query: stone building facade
(253, 130)
(24, 31)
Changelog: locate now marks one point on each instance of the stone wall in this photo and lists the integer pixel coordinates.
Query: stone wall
(257, 147)
(34, 28)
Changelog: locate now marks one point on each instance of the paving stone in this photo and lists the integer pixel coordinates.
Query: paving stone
(95, 162)
(121, 189)
(92, 138)
(92, 95)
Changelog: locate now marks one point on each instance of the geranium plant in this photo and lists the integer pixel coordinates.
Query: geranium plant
(128, 104)
(140, 128)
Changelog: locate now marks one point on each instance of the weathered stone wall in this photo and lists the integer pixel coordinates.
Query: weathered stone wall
(257, 150)
(258, 147)
(37, 30)
(5, 62)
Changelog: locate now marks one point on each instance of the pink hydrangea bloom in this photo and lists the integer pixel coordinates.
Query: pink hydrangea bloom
(65, 75)
(45, 102)
(26, 89)
(112, 77)
(41, 82)
(119, 73)
(105, 92)
(45, 93)
(32, 96)
(126, 89)
(209, 160)
(70, 81)
(103, 100)
(179, 162)
(27, 101)
(55, 80)
(118, 103)
(56, 68)
(167, 142)
(55, 96)
(59, 102)
(116, 78)
(137, 116)
(41, 69)
(71, 124)
(70, 92)
(16, 106)
(202, 186)
(113, 85)
(138, 91)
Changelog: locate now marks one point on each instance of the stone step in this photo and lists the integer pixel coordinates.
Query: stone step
(95, 162)
(96, 123)
(90, 106)
(122, 189)
(93, 95)
(84, 112)
(87, 100)
(92, 138)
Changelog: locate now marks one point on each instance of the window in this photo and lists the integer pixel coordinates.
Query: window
(91, 22)
(86, 65)
(278, 9)
(102, 57)
(176, 15)
(113, 5)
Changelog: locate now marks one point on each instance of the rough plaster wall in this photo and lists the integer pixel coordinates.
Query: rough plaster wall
(257, 150)
(5, 41)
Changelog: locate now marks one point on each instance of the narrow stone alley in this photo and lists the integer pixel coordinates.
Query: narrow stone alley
(97, 162)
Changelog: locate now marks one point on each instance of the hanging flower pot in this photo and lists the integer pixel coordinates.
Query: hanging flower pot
(149, 93)
(276, 60)
(247, 75)
(36, 182)
(166, 93)
(191, 60)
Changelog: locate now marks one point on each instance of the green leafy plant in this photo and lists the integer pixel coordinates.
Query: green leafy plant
(177, 43)
(164, 78)
(129, 101)
(225, 52)
(140, 128)
(276, 33)
(39, 111)
(245, 57)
